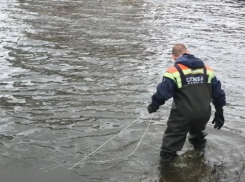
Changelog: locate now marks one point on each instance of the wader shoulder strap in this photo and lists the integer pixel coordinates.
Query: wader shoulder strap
(182, 76)
(205, 79)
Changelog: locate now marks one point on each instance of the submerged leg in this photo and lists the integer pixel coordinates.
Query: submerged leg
(173, 140)
(197, 136)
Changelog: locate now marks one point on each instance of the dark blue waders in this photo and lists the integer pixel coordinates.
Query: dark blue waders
(190, 113)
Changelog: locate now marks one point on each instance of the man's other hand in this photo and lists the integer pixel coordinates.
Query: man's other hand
(219, 119)
(152, 108)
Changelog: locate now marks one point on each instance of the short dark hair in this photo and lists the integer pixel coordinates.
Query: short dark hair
(179, 49)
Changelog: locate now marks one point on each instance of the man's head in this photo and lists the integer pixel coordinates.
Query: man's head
(178, 50)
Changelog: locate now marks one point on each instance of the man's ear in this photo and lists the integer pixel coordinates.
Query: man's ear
(173, 57)
(188, 52)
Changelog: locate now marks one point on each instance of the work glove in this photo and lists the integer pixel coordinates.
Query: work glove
(219, 119)
(152, 108)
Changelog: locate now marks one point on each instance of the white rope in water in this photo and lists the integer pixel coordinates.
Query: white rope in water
(74, 165)
(110, 140)
(61, 165)
(131, 152)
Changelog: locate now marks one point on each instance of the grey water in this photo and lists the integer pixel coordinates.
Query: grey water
(73, 73)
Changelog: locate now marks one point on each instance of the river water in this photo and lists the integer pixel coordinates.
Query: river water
(75, 73)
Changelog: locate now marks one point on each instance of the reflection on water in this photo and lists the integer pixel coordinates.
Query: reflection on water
(74, 73)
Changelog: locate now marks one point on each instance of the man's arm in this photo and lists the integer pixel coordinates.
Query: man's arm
(165, 90)
(218, 95)
(219, 100)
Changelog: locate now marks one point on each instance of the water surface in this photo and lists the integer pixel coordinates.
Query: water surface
(74, 73)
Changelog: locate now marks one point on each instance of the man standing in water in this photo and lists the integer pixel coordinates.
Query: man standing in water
(193, 86)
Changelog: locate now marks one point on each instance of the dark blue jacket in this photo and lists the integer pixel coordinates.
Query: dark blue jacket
(167, 88)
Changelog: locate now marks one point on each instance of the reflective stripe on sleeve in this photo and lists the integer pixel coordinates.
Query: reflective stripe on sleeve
(178, 79)
(210, 75)
(169, 75)
(175, 77)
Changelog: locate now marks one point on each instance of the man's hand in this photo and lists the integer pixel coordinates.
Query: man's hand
(152, 108)
(219, 119)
